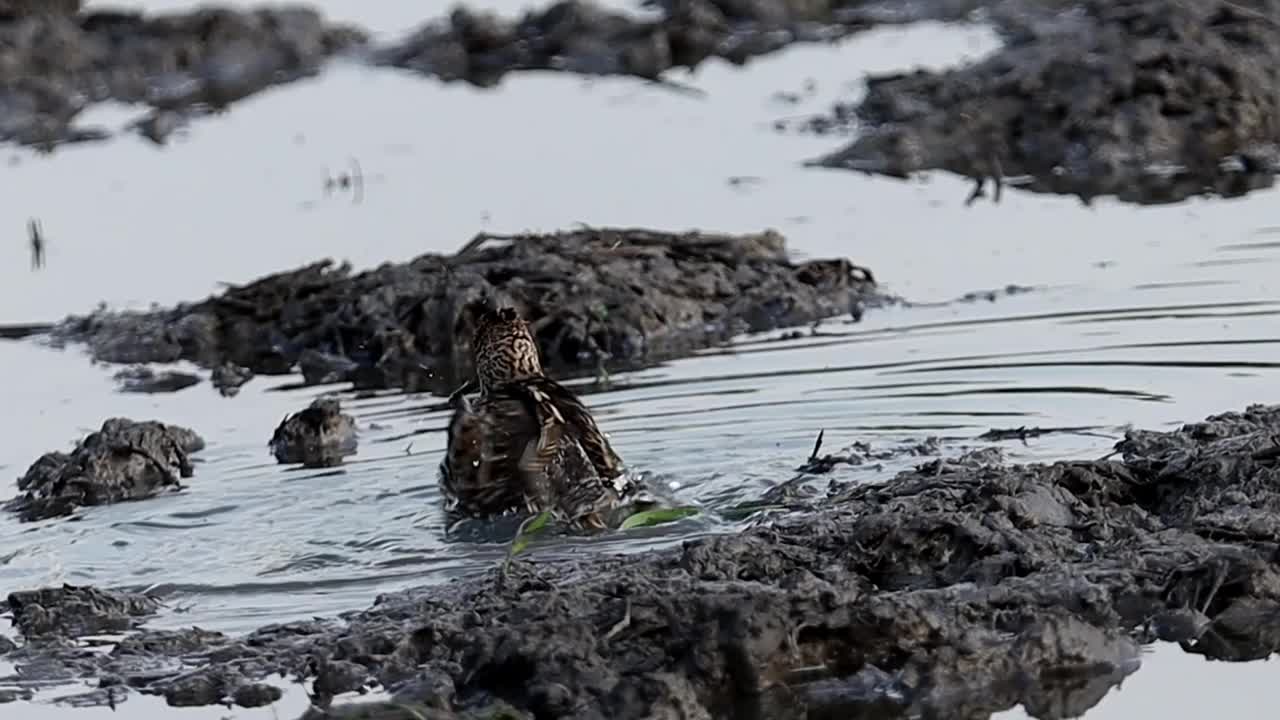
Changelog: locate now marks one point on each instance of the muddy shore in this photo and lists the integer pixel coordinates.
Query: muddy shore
(63, 57)
(956, 589)
(598, 300)
(1149, 101)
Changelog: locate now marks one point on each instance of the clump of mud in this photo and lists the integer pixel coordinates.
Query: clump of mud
(596, 299)
(73, 611)
(1150, 101)
(584, 37)
(58, 60)
(957, 589)
(124, 460)
(319, 436)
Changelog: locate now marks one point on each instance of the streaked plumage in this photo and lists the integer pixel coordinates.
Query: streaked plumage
(527, 444)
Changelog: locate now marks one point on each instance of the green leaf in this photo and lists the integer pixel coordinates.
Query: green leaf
(528, 529)
(658, 517)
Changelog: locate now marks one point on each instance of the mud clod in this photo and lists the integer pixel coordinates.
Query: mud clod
(59, 60)
(612, 298)
(142, 379)
(256, 695)
(228, 379)
(125, 460)
(319, 436)
(72, 611)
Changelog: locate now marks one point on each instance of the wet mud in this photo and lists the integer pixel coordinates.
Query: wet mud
(597, 299)
(124, 460)
(319, 436)
(58, 59)
(142, 379)
(1149, 101)
(957, 589)
(582, 37)
(61, 57)
(70, 611)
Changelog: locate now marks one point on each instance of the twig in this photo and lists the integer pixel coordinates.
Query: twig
(357, 182)
(622, 624)
(817, 445)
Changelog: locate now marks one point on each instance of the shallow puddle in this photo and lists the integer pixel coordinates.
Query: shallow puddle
(1152, 316)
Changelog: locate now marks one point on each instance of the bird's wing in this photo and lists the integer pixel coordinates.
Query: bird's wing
(580, 424)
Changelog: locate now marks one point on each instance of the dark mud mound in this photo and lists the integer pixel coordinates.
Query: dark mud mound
(142, 379)
(319, 436)
(125, 460)
(1151, 101)
(596, 298)
(73, 611)
(583, 37)
(57, 61)
(956, 590)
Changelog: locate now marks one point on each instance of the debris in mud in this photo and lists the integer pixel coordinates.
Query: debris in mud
(73, 611)
(125, 460)
(59, 60)
(596, 298)
(142, 379)
(319, 436)
(1150, 101)
(960, 588)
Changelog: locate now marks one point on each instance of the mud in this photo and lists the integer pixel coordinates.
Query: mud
(142, 379)
(957, 589)
(124, 460)
(319, 436)
(61, 58)
(1149, 101)
(598, 299)
(73, 611)
(58, 60)
(582, 37)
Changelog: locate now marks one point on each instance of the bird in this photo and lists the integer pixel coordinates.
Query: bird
(527, 444)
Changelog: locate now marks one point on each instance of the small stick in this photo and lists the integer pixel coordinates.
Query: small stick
(817, 445)
(621, 625)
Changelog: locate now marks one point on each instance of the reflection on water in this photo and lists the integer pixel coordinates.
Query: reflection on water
(1150, 317)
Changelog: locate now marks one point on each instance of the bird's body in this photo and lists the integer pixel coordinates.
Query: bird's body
(527, 443)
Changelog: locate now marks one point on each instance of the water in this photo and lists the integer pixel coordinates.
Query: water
(1151, 316)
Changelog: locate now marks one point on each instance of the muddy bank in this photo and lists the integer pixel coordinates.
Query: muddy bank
(58, 59)
(597, 299)
(124, 460)
(1150, 101)
(582, 37)
(957, 589)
